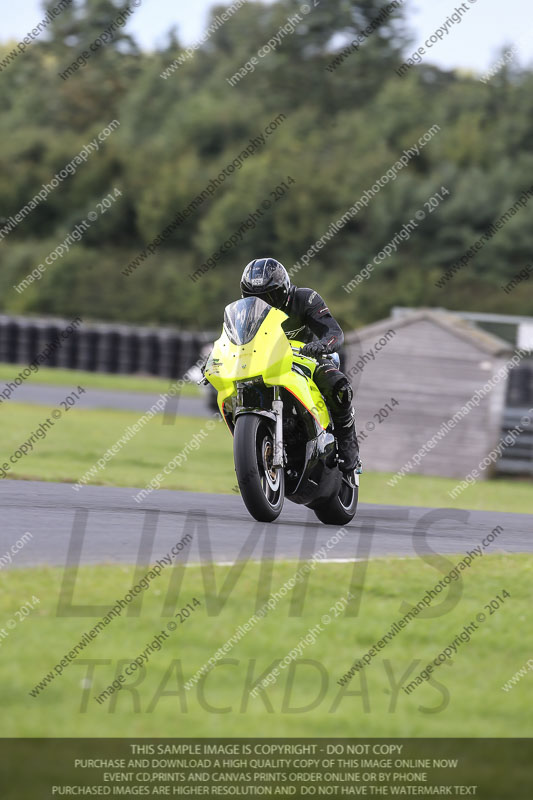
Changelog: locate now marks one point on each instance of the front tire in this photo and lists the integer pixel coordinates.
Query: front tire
(262, 487)
(340, 509)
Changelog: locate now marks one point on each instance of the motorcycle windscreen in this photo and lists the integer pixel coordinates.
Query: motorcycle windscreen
(243, 319)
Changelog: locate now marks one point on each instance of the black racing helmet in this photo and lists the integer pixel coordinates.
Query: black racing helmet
(268, 279)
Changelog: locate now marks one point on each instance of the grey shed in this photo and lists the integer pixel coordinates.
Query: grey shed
(432, 363)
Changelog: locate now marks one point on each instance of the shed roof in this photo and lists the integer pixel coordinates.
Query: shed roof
(453, 323)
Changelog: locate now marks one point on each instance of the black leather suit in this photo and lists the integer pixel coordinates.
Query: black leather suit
(310, 319)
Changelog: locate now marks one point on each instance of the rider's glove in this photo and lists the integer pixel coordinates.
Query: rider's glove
(203, 381)
(314, 349)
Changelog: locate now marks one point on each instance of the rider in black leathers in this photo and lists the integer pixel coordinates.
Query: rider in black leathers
(310, 320)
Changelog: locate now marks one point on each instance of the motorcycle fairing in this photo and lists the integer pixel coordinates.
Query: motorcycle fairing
(268, 356)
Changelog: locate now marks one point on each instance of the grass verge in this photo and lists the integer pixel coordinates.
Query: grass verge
(463, 699)
(81, 437)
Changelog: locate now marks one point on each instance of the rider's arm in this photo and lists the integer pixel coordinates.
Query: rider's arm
(321, 321)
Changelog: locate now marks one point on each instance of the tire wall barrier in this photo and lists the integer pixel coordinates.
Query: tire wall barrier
(101, 347)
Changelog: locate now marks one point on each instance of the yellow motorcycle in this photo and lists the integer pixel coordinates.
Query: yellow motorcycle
(283, 439)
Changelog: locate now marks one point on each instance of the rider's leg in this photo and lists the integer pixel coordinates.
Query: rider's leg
(337, 390)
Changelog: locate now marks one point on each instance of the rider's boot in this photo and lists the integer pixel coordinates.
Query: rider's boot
(348, 445)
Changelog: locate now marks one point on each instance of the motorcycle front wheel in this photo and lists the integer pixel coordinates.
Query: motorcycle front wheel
(262, 487)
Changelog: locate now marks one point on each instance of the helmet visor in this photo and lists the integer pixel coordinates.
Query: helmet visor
(274, 297)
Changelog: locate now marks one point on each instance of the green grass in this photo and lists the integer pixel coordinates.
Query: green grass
(80, 438)
(500, 494)
(465, 698)
(95, 380)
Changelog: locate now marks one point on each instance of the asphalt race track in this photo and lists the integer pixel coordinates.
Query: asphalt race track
(101, 398)
(105, 525)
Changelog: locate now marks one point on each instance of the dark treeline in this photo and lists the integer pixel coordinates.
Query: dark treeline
(189, 162)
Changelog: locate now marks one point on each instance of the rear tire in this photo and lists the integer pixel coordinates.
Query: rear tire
(262, 488)
(340, 510)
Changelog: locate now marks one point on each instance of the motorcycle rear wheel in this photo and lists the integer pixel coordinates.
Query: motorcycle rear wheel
(262, 487)
(340, 509)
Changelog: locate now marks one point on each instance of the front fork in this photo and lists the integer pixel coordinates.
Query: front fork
(278, 460)
(277, 408)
